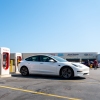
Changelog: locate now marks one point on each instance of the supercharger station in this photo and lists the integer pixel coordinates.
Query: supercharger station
(15, 59)
(4, 62)
(18, 58)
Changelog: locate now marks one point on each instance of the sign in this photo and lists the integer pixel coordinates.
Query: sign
(88, 54)
(5, 50)
(72, 54)
(60, 54)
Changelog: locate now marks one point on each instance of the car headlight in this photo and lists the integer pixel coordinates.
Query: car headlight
(77, 65)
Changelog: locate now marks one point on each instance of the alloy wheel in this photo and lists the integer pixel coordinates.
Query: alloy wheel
(66, 73)
(24, 71)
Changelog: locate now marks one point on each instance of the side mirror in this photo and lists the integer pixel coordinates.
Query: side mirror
(51, 60)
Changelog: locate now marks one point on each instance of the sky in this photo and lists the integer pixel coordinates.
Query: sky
(42, 26)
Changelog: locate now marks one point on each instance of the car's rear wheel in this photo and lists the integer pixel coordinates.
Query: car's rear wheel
(67, 73)
(24, 71)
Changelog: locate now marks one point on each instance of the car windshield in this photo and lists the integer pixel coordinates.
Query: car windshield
(59, 59)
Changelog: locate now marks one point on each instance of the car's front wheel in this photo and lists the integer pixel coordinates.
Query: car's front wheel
(67, 73)
(24, 71)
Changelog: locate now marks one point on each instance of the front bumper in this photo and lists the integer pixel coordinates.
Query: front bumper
(82, 72)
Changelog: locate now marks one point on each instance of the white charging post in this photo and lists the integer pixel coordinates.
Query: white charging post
(4, 62)
(18, 58)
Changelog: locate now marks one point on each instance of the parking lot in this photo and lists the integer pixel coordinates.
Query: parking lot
(39, 87)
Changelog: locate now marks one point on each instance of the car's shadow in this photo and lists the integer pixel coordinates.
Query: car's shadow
(35, 76)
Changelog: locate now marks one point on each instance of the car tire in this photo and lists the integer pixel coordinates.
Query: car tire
(24, 71)
(67, 73)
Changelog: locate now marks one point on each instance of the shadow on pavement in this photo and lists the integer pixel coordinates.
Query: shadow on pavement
(35, 76)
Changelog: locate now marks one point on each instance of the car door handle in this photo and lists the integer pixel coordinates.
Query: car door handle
(41, 63)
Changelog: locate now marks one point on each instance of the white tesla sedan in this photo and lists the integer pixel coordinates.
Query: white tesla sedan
(51, 65)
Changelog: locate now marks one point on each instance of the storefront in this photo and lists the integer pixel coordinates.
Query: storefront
(74, 57)
(80, 57)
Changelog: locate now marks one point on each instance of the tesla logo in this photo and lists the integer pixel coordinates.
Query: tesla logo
(5, 50)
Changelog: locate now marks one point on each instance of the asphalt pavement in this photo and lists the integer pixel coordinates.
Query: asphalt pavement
(41, 87)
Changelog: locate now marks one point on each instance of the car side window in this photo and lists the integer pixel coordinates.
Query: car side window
(29, 59)
(33, 58)
(44, 58)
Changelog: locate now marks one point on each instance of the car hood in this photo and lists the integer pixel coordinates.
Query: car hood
(66, 63)
(78, 64)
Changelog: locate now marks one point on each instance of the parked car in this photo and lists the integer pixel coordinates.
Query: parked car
(51, 65)
(91, 62)
(98, 65)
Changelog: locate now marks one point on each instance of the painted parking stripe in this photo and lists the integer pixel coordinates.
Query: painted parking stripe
(40, 93)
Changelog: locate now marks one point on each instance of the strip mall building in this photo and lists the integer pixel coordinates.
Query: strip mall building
(71, 56)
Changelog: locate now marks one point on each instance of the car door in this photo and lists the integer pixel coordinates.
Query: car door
(47, 67)
(33, 63)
